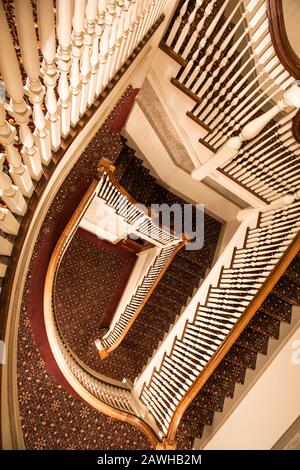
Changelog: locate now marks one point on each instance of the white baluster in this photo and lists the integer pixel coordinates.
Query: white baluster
(94, 58)
(177, 23)
(64, 13)
(230, 149)
(8, 223)
(46, 25)
(77, 45)
(9, 193)
(202, 78)
(18, 109)
(186, 28)
(278, 203)
(116, 14)
(18, 171)
(5, 245)
(31, 63)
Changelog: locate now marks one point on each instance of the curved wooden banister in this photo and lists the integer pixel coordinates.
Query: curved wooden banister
(286, 54)
(105, 165)
(103, 353)
(50, 324)
(241, 324)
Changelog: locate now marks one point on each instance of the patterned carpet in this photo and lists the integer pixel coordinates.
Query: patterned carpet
(86, 289)
(51, 417)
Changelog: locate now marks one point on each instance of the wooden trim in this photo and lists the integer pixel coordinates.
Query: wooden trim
(296, 127)
(106, 351)
(238, 328)
(284, 51)
(48, 309)
(185, 90)
(207, 145)
(171, 53)
(198, 121)
(280, 40)
(242, 185)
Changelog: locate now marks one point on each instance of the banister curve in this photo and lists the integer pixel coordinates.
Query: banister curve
(241, 324)
(71, 369)
(286, 54)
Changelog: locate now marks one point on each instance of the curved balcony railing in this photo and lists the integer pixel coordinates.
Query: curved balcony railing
(114, 398)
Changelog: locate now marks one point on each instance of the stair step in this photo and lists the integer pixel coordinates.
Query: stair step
(169, 293)
(188, 266)
(287, 290)
(169, 303)
(265, 324)
(176, 284)
(254, 341)
(219, 386)
(213, 402)
(241, 356)
(293, 271)
(183, 276)
(130, 174)
(231, 371)
(199, 415)
(277, 308)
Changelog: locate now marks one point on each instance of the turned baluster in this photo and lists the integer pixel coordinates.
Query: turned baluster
(281, 82)
(209, 106)
(77, 46)
(46, 25)
(177, 23)
(115, 13)
(8, 223)
(64, 25)
(230, 149)
(9, 193)
(187, 26)
(17, 108)
(195, 63)
(17, 170)
(34, 88)
(85, 63)
(229, 94)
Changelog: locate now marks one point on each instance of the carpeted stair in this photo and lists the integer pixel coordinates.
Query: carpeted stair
(265, 324)
(172, 294)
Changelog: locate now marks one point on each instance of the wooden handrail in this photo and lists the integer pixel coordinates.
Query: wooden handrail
(48, 312)
(284, 51)
(103, 353)
(105, 165)
(236, 331)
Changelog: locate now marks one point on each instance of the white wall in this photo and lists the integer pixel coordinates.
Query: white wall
(269, 408)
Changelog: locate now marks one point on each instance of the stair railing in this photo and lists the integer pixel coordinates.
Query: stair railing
(66, 62)
(206, 331)
(234, 67)
(168, 245)
(111, 397)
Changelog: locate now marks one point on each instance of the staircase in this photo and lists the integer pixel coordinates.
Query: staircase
(177, 285)
(243, 354)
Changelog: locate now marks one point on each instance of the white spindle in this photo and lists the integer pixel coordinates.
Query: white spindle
(5, 245)
(230, 149)
(9, 193)
(77, 45)
(18, 171)
(64, 24)
(8, 223)
(34, 88)
(46, 25)
(177, 23)
(18, 109)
